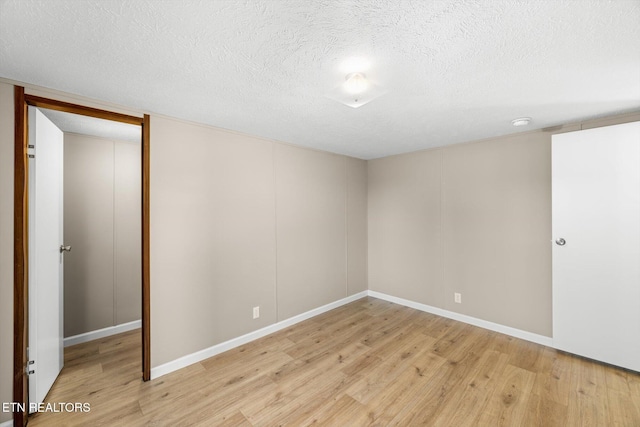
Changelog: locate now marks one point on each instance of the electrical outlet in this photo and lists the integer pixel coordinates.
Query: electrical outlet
(256, 312)
(457, 297)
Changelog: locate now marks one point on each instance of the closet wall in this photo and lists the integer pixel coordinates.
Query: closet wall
(102, 285)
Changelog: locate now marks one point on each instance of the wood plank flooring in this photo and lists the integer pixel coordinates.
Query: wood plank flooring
(370, 362)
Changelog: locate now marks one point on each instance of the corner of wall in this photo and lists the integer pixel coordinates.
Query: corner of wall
(6, 247)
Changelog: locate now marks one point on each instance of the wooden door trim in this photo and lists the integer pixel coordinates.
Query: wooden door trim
(20, 227)
(146, 263)
(67, 107)
(20, 240)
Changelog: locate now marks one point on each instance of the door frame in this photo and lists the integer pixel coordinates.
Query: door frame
(21, 237)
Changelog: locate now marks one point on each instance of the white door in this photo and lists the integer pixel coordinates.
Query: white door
(596, 267)
(45, 257)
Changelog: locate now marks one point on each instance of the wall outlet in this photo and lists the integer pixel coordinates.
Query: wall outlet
(256, 312)
(457, 297)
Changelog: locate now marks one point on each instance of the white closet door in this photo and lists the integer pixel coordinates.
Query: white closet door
(596, 273)
(46, 273)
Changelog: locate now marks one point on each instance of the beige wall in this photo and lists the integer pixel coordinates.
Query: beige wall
(471, 218)
(356, 226)
(311, 191)
(496, 226)
(102, 224)
(127, 211)
(6, 246)
(212, 237)
(404, 227)
(239, 222)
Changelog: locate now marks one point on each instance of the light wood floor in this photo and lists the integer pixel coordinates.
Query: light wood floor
(367, 363)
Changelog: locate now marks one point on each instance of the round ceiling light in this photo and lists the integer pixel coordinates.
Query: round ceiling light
(356, 83)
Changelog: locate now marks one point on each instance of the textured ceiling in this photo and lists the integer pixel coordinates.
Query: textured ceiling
(75, 123)
(452, 70)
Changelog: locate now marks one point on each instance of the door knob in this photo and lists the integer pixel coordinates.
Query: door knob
(561, 242)
(65, 248)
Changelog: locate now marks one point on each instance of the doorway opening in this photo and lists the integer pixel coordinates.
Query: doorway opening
(21, 232)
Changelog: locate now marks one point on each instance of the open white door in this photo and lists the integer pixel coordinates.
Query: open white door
(596, 249)
(46, 350)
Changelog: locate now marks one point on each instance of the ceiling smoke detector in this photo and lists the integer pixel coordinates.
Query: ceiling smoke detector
(522, 121)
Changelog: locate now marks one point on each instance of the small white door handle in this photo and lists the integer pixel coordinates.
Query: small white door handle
(65, 248)
(561, 242)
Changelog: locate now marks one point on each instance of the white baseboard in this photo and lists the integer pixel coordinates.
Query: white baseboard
(7, 424)
(507, 330)
(192, 358)
(198, 356)
(101, 333)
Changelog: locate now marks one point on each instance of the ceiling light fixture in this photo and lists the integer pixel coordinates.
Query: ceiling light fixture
(356, 91)
(522, 121)
(355, 83)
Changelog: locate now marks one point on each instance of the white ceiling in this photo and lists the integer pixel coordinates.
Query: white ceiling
(75, 123)
(453, 70)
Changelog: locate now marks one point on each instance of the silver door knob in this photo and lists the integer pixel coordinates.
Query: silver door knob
(561, 242)
(65, 248)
